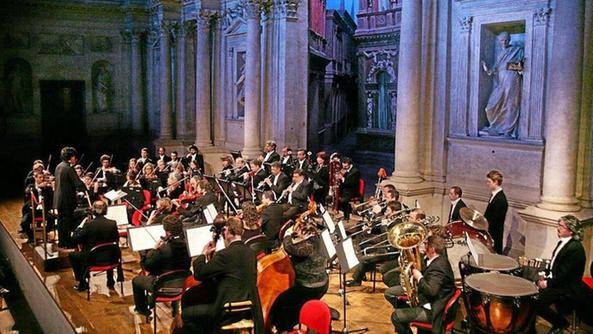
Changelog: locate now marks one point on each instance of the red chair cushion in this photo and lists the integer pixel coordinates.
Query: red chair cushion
(168, 299)
(588, 281)
(103, 268)
(316, 315)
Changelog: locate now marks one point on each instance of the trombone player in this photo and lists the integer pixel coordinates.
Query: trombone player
(435, 286)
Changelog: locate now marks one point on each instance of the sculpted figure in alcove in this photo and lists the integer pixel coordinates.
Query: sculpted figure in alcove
(502, 110)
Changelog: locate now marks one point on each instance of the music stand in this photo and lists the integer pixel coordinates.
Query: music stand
(348, 261)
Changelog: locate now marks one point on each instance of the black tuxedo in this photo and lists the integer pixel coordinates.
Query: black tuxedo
(435, 287)
(259, 176)
(198, 158)
(495, 214)
(282, 183)
(287, 165)
(274, 156)
(272, 221)
(172, 255)
(349, 189)
(141, 162)
(165, 158)
(566, 286)
(234, 273)
(195, 209)
(300, 197)
(67, 183)
(304, 166)
(100, 230)
(320, 184)
(456, 216)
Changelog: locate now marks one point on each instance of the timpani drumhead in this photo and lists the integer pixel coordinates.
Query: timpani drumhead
(501, 284)
(494, 262)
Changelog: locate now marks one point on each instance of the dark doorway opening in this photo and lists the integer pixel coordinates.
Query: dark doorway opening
(62, 116)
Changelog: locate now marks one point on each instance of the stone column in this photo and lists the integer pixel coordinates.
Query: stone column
(203, 88)
(165, 81)
(180, 114)
(136, 78)
(251, 123)
(408, 97)
(562, 109)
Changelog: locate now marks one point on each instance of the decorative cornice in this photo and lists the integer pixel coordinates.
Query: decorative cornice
(541, 16)
(285, 9)
(466, 23)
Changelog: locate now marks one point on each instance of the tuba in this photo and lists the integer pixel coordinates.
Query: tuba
(407, 237)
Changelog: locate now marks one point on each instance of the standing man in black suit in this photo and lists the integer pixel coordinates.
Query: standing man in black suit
(67, 184)
(98, 231)
(270, 154)
(436, 285)
(457, 203)
(272, 217)
(564, 283)
(170, 253)
(496, 210)
(233, 271)
(349, 185)
(301, 160)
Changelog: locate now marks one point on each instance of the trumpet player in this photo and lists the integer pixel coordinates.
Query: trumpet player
(435, 286)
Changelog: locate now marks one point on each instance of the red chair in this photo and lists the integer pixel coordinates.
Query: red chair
(168, 287)
(103, 257)
(449, 314)
(316, 315)
(360, 197)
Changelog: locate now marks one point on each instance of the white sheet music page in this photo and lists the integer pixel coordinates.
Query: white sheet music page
(328, 243)
(327, 218)
(145, 237)
(472, 249)
(198, 237)
(350, 253)
(119, 213)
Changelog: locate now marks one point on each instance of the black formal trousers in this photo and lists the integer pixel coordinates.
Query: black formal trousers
(285, 313)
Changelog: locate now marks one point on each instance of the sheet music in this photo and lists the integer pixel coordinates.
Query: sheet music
(342, 231)
(210, 213)
(198, 237)
(328, 243)
(346, 255)
(145, 237)
(327, 218)
(113, 195)
(472, 249)
(119, 213)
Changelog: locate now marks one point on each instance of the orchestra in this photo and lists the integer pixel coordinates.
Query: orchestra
(272, 208)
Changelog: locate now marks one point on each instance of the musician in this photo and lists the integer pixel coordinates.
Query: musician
(251, 221)
(240, 171)
(456, 203)
(173, 190)
(194, 169)
(320, 177)
(277, 181)
(164, 207)
(170, 253)
(99, 230)
(311, 281)
(194, 155)
(132, 165)
(258, 174)
(64, 200)
(79, 171)
(35, 194)
(104, 174)
(563, 285)
(150, 180)
(134, 191)
(194, 211)
(174, 158)
(144, 158)
(349, 186)
(297, 194)
(272, 217)
(233, 271)
(436, 285)
(301, 161)
(37, 167)
(287, 161)
(227, 166)
(496, 210)
(162, 155)
(271, 154)
(162, 171)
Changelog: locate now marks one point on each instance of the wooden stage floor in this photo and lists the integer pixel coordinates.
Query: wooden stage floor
(110, 312)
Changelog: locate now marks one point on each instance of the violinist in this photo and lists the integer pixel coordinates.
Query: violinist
(132, 165)
(320, 177)
(149, 179)
(164, 207)
(162, 155)
(191, 194)
(170, 253)
(233, 271)
(277, 181)
(104, 175)
(174, 158)
(67, 184)
(79, 171)
(311, 281)
(38, 197)
(194, 211)
(134, 191)
(98, 231)
(349, 186)
(194, 155)
(37, 167)
(251, 221)
(144, 158)
(89, 190)
(174, 189)
(162, 171)
(178, 171)
(194, 168)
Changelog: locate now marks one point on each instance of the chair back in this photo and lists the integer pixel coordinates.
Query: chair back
(105, 254)
(316, 315)
(283, 229)
(361, 189)
(147, 198)
(170, 284)
(258, 243)
(450, 310)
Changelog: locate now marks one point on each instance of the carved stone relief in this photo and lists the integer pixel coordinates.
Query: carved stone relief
(102, 73)
(61, 44)
(19, 86)
(101, 44)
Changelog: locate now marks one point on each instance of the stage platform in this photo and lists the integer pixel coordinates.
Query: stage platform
(61, 309)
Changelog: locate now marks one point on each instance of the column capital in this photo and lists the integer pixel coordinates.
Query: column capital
(282, 9)
(466, 23)
(252, 9)
(168, 27)
(541, 16)
(189, 27)
(205, 17)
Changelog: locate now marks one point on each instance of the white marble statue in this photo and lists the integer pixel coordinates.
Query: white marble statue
(502, 110)
(102, 89)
